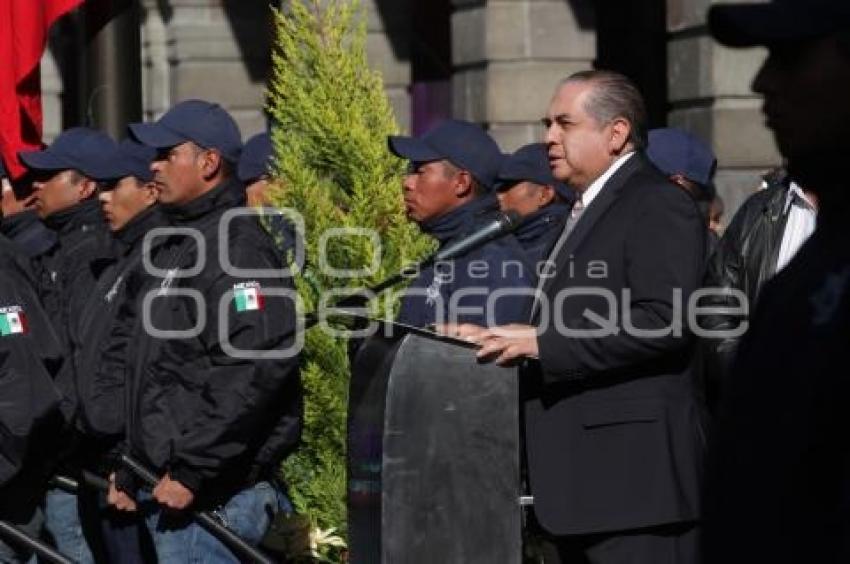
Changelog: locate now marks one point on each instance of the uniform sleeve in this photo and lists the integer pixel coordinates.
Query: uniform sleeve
(28, 401)
(247, 390)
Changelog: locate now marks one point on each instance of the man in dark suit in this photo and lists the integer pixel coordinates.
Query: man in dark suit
(614, 430)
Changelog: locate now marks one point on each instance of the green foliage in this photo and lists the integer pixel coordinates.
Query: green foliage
(332, 119)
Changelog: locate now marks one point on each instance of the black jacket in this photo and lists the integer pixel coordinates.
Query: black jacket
(100, 355)
(538, 232)
(779, 472)
(498, 265)
(210, 406)
(614, 422)
(30, 356)
(744, 260)
(66, 278)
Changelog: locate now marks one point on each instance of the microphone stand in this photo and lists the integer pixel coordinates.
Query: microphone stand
(506, 223)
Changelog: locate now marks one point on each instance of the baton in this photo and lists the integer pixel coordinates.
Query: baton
(17, 536)
(205, 519)
(72, 485)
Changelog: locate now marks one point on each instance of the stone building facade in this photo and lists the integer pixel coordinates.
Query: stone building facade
(494, 62)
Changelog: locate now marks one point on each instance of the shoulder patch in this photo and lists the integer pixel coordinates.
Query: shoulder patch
(248, 296)
(13, 321)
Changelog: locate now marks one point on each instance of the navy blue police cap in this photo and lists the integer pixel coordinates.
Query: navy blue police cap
(675, 151)
(80, 148)
(464, 144)
(776, 22)
(255, 158)
(203, 123)
(130, 158)
(531, 163)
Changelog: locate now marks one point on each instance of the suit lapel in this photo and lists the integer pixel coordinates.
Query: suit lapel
(597, 208)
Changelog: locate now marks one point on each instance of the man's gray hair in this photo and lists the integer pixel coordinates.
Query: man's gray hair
(614, 96)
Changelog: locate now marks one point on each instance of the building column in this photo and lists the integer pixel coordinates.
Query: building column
(217, 51)
(388, 52)
(709, 90)
(509, 55)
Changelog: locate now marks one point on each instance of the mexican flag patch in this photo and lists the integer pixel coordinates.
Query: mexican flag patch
(13, 321)
(248, 296)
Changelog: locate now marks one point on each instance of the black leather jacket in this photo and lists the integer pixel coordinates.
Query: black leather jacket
(216, 419)
(744, 260)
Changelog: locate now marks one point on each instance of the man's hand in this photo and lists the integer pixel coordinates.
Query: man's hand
(118, 499)
(173, 494)
(10, 204)
(504, 345)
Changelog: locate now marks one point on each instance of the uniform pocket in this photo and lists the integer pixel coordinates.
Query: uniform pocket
(620, 413)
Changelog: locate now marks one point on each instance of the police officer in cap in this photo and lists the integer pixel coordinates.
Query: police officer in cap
(526, 185)
(20, 223)
(214, 409)
(129, 203)
(448, 193)
(30, 420)
(65, 189)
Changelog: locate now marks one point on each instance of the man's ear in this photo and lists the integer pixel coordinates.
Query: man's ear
(463, 184)
(621, 130)
(546, 195)
(87, 188)
(211, 162)
(151, 192)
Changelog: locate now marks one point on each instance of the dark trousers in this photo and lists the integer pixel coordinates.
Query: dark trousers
(669, 544)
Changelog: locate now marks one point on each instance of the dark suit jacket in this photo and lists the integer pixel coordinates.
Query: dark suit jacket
(613, 423)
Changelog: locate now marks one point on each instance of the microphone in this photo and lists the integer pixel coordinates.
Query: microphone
(503, 224)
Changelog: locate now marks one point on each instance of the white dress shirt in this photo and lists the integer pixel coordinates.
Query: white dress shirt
(596, 186)
(801, 222)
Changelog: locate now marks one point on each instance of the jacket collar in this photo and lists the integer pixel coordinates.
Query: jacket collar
(460, 219)
(600, 204)
(128, 236)
(542, 221)
(82, 216)
(228, 194)
(597, 208)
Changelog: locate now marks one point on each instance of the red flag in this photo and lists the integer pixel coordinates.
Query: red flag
(23, 35)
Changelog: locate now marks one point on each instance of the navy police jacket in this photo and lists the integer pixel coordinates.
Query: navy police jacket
(30, 356)
(495, 277)
(538, 232)
(213, 400)
(100, 353)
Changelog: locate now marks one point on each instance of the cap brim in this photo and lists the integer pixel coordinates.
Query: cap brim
(749, 25)
(155, 135)
(413, 149)
(44, 160)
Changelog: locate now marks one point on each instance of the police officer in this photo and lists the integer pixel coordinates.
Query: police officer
(448, 193)
(65, 192)
(20, 221)
(526, 185)
(30, 419)
(253, 171)
(214, 409)
(128, 199)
